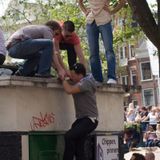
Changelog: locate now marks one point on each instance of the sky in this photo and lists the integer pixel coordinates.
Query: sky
(3, 6)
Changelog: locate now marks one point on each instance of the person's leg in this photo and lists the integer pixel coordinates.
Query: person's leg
(80, 149)
(2, 59)
(75, 137)
(45, 62)
(30, 65)
(93, 41)
(28, 48)
(87, 127)
(71, 54)
(107, 37)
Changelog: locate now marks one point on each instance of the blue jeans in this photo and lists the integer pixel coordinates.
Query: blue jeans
(36, 52)
(75, 138)
(93, 39)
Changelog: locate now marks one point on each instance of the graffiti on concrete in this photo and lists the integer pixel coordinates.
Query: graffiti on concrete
(42, 120)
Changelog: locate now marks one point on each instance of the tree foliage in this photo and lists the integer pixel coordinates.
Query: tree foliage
(22, 13)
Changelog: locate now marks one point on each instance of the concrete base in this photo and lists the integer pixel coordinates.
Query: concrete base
(38, 104)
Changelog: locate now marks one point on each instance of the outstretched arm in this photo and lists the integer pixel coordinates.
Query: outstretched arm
(70, 89)
(80, 54)
(57, 61)
(83, 8)
(118, 6)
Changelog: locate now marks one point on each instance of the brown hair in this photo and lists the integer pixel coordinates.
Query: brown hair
(137, 156)
(54, 25)
(69, 26)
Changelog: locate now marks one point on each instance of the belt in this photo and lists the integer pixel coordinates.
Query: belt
(93, 119)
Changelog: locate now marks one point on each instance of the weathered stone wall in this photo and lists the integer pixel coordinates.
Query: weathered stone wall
(42, 105)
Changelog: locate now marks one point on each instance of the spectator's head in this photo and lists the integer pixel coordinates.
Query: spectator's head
(129, 131)
(78, 71)
(130, 107)
(55, 26)
(153, 110)
(67, 29)
(158, 126)
(150, 128)
(68, 26)
(149, 156)
(137, 156)
(149, 108)
(144, 109)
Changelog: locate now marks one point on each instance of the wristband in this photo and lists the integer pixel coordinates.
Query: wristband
(66, 78)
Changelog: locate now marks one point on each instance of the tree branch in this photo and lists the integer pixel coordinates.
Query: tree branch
(22, 14)
(146, 20)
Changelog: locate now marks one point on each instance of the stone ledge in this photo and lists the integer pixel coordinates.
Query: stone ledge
(15, 81)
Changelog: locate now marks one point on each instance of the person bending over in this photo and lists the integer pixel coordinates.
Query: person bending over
(34, 44)
(69, 40)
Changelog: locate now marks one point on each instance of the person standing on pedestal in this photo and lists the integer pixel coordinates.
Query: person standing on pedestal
(98, 17)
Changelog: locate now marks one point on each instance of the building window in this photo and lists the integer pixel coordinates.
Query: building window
(124, 80)
(148, 97)
(131, 51)
(146, 71)
(123, 52)
(133, 77)
(123, 56)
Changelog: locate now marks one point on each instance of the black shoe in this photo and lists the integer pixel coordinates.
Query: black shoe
(43, 75)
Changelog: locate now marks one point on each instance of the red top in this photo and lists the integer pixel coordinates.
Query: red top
(73, 39)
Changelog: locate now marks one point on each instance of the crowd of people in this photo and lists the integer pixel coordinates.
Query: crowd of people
(143, 126)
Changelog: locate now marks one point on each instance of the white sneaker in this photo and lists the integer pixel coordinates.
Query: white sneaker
(111, 81)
